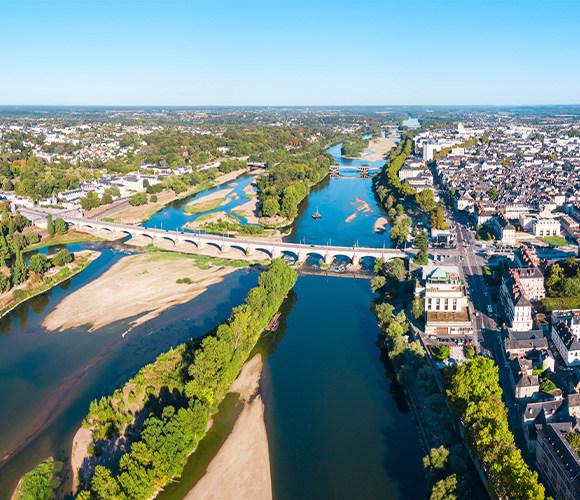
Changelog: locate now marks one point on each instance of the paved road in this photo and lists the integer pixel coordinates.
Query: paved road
(485, 328)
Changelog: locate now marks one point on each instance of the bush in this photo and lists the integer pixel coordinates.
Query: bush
(440, 352)
(93, 450)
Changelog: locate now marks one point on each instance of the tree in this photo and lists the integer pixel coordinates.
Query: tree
(39, 263)
(49, 225)
(436, 462)
(440, 352)
(396, 269)
(377, 283)
(417, 309)
(493, 194)
(425, 200)
(422, 258)
(399, 209)
(547, 385)
(270, 207)
(60, 226)
(31, 238)
(421, 241)
(436, 218)
(446, 489)
(138, 199)
(62, 258)
(379, 265)
(153, 198)
(384, 312)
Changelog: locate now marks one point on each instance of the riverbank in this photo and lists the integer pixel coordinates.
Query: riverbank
(241, 468)
(141, 285)
(71, 236)
(142, 213)
(29, 289)
(208, 202)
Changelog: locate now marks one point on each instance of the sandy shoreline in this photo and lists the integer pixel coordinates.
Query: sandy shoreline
(216, 195)
(241, 468)
(143, 284)
(377, 150)
(380, 225)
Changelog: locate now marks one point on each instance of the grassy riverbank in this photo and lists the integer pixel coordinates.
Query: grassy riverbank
(71, 236)
(31, 288)
(40, 483)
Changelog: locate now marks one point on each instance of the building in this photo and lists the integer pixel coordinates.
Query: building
(539, 226)
(571, 317)
(445, 303)
(515, 302)
(505, 230)
(566, 343)
(558, 462)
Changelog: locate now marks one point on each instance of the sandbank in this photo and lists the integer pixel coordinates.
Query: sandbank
(81, 442)
(216, 195)
(250, 209)
(138, 285)
(241, 468)
(380, 225)
(363, 206)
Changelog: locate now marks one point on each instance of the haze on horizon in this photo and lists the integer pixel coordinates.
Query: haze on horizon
(289, 53)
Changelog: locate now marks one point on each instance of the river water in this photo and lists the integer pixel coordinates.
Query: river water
(334, 427)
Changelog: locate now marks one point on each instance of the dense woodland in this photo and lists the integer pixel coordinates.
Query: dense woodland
(287, 183)
(166, 406)
(353, 148)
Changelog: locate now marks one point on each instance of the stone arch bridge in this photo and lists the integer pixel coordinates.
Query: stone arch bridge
(247, 245)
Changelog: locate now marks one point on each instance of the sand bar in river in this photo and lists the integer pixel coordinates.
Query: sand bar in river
(143, 284)
(241, 468)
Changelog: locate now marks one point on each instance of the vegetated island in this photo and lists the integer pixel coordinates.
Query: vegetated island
(354, 147)
(144, 285)
(40, 483)
(162, 413)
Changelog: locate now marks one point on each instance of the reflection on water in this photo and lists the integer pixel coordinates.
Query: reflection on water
(330, 417)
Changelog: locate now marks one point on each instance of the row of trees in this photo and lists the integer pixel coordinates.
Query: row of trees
(197, 376)
(475, 395)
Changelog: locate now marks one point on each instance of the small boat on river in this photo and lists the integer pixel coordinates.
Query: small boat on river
(316, 215)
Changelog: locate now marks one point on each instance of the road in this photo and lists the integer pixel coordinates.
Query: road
(485, 327)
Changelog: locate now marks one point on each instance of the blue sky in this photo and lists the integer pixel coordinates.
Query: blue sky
(357, 52)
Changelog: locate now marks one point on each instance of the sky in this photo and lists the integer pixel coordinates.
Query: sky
(298, 53)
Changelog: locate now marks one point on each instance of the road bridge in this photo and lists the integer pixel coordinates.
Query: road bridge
(247, 245)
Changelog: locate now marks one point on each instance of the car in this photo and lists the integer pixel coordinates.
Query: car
(433, 337)
(490, 309)
(485, 294)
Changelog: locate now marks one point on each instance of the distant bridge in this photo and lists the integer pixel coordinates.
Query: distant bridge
(247, 245)
(360, 168)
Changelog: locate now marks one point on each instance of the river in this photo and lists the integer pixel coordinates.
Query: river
(334, 426)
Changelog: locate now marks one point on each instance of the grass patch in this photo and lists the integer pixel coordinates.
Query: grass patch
(555, 240)
(108, 219)
(551, 304)
(202, 261)
(491, 275)
(63, 239)
(203, 206)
